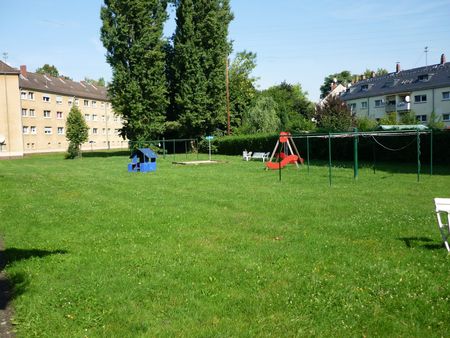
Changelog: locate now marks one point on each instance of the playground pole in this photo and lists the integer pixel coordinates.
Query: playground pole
(307, 151)
(164, 148)
(174, 149)
(431, 153)
(355, 154)
(279, 162)
(418, 156)
(329, 157)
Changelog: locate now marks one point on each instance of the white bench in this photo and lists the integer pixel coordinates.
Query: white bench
(260, 156)
(443, 216)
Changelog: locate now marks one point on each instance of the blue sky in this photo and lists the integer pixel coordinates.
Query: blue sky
(295, 41)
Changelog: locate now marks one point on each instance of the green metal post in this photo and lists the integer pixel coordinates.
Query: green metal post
(329, 157)
(164, 148)
(431, 153)
(418, 156)
(355, 154)
(307, 151)
(174, 149)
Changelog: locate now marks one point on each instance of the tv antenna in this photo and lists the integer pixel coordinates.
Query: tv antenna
(5, 56)
(426, 56)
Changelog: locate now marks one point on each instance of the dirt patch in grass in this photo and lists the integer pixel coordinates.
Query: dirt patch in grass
(6, 312)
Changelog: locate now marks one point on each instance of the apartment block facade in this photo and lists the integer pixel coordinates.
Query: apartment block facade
(34, 109)
(420, 91)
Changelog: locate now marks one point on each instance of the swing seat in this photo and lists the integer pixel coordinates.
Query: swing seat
(443, 218)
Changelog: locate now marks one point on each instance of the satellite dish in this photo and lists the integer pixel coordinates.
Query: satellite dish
(2, 139)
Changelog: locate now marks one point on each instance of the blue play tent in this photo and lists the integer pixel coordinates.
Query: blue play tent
(142, 160)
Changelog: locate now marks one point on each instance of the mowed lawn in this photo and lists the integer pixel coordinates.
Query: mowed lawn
(222, 250)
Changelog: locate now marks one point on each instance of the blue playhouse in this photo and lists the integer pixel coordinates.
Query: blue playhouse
(142, 160)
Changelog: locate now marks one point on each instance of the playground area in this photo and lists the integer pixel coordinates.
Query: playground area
(222, 250)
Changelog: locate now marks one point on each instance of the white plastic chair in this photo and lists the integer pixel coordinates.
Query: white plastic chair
(246, 155)
(443, 217)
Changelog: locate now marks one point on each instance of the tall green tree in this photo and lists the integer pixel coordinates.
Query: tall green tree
(76, 132)
(262, 117)
(334, 115)
(132, 33)
(242, 86)
(199, 59)
(294, 107)
(48, 70)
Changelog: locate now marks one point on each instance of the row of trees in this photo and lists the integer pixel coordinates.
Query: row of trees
(161, 86)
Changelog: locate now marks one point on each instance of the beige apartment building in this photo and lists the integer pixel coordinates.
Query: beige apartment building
(34, 109)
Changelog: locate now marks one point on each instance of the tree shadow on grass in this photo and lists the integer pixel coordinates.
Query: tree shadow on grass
(421, 242)
(106, 153)
(15, 284)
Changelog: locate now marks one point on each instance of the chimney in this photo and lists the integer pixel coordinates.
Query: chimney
(23, 70)
(443, 59)
(397, 67)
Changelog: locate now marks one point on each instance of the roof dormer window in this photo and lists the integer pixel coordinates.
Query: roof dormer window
(365, 87)
(423, 77)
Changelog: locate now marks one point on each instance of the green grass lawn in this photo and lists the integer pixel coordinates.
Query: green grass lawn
(222, 250)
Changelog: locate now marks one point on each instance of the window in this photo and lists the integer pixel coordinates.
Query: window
(25, 129)
(420, 98)
(30, 96)
(446, 96)
(60, 130)
(58, 100)
(24, 112)
(59, 115)
(103, 118)
(364, 105)
(70, 101)
(109, 131)
(102, 104)
(46, 98)
(31, 113)
(421, 118)
(117, 131)
(352, 106)
(446, 117)
(33, 129)
(76, 102)
(87, 117)
(104, 131)
(86, 103)
(47, 114)
(94, 131)
(48, 130)
(115, 118)
(423, 78)
(94, 117)
(379, 103)
(23, 95)
(365, 88)
(94, 104)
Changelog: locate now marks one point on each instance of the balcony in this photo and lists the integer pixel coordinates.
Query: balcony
(403, 106)
(390, 107)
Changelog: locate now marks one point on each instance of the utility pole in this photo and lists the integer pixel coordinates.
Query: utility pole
(228, 96)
